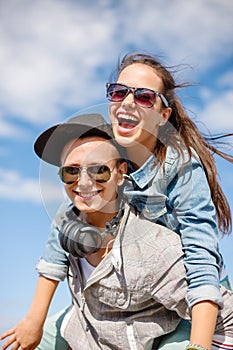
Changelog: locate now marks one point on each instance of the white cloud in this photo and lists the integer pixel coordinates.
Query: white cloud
(217, 111)
(15, 187)
(52, 52)
(197, 32)
(9, 129)
(226, 80)
(213, 112)
(49, 51)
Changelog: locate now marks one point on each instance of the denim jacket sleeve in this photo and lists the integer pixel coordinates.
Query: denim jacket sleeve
(54, 262)
(190, 208)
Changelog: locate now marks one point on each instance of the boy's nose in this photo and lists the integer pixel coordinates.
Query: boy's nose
(84, 178)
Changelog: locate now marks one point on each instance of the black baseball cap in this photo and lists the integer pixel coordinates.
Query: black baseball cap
(51, 142)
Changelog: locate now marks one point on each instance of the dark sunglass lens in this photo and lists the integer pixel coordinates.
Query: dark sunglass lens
(69, 174)
(116, 93)
(99, 173)
(144, 98)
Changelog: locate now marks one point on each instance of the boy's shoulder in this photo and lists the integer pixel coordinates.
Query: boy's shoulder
(140, 228)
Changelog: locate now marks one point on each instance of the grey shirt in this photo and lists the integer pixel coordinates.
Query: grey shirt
(137, 292)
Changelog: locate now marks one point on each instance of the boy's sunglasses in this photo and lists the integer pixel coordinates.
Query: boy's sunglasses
(98, 173)
(142, 96)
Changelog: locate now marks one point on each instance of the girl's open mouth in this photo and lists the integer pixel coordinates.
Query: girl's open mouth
(127, 122)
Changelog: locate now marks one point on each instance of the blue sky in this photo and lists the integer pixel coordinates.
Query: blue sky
(55, 58)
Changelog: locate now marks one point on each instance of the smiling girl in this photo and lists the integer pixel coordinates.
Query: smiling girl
(174, 178)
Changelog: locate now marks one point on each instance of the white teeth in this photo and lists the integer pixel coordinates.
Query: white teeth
(88, 195)
(127, 117)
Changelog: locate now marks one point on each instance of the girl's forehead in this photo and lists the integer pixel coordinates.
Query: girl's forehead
(139, 74)
(138, 67)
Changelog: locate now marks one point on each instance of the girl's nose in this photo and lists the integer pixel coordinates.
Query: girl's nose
(128, 100)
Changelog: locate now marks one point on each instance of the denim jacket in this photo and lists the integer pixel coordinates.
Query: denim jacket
(176, 195)
(54, 262)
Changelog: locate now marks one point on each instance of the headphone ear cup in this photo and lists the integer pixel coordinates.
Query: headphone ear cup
(79, 239)
(65, 236)
(89, 239)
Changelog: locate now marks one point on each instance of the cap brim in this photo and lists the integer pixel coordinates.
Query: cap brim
(51, 142)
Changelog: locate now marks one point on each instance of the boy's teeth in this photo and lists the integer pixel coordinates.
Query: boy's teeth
(88, 195)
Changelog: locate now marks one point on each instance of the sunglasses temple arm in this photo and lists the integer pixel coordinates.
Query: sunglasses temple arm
(164, 100)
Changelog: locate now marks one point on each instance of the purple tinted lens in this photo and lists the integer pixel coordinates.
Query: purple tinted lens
(117, 92)
(144, 97)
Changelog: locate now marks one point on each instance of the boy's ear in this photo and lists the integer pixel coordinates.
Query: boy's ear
(122, 169)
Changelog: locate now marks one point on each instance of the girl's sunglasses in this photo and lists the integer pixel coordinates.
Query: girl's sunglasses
(98, 173)
(143, 97)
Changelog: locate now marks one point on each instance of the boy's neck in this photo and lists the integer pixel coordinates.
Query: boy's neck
(99, 218)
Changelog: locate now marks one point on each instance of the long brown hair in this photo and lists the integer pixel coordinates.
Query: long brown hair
(181, 127)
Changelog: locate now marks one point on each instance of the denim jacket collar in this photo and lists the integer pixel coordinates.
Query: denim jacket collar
(146, 172)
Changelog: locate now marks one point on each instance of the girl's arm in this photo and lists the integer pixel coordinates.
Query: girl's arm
(204, 316)
(28, 332)
(171, 272)
(199, 234)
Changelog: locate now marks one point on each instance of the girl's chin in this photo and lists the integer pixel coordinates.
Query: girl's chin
(126, 141)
